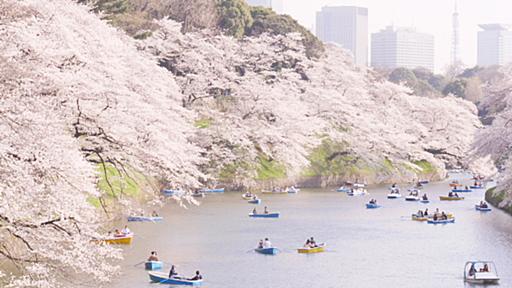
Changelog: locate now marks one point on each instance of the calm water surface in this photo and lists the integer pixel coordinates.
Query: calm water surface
(366, 248)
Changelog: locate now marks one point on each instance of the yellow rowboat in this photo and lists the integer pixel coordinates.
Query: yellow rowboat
(308, 250)
(245, 197)
(418, 218)
(122, 240)
(448, 198)
(415, 217)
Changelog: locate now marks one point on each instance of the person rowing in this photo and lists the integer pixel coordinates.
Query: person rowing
(425, 197)
(153, 256)
(260, 244)
(265, 210)
(312, 243)
(196, 277)
(254, 212)
(172, 272)
(373, 201)
(266, 243)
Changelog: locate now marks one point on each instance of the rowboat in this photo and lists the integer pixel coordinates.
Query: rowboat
(448, 198)
(438, 221)
(372, 206)
(153, 265)
(120, 240)
(144, 219)
(247, 196)
(198, 195)
(415, 217)
(343, 189)
(309, 250)
(293, 190)
(163, 278)
(412, 198)
(481, 272)
(267, 215)
(394, 195)
(254, 201)
(267, 251)
(217, 190)
(477, 187)
(461, 190)
(357, 192)
(483, 209)
(173, 192)
(423, 182)
(425, 201)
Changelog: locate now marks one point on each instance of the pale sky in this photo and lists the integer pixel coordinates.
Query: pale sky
(428, 16)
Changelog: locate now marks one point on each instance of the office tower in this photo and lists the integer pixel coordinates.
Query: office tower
(347, 26)
(402, 47)
(494, 45)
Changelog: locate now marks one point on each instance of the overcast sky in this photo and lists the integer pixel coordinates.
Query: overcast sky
(429, 16)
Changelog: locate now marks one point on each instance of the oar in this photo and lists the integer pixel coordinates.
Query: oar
(138, 263)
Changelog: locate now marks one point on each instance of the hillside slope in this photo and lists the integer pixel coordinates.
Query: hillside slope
(495, 140)
(267, 112)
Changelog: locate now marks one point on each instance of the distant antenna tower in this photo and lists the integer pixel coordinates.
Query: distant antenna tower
(455, 36)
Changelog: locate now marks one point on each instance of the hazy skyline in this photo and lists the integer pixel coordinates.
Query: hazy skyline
(433, 16)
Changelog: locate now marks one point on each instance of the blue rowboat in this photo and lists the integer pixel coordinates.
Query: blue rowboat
(255, 201)
(218, 190)
(268, 215)
(372, 206)
(477, 187)
(267, 251)
(163, 278)
(425, 201)
(482, 209)
(461, 190)
(343, 189)
(172, 192)
(153, 265)
(423, 182)
(144, 219)
(432, 221)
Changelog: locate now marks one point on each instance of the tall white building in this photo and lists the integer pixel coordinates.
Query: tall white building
(494, 45)
(402, 47)
(347, 26)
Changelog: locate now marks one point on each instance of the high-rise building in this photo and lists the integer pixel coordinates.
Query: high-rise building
(494, 45)
(264, 3)
(402, 47)
(347, 26)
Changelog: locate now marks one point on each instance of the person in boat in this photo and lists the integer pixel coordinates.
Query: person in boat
(126, 230)
(472, 270)
(153, 256)
(466, 187)
(444, 216)
(172, 272)
(260, 244)
(425, 197)
(394, 185)
(420, 213)
(456, 195)
(265, 210)
(426, 212)
(118, 233)
(154, 214)
(486, 268)
(196, 277)
(254, 197)
(312, 243)
(254, 212)
(266, 243)
(450, 194)
(308, 243)
(373, 201)
(435, 217)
